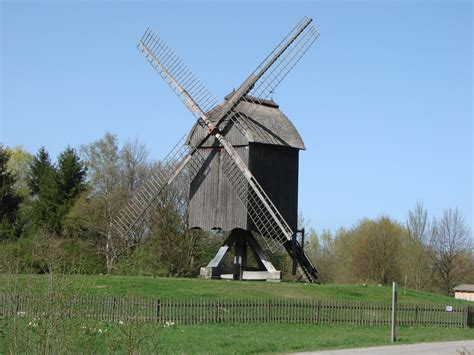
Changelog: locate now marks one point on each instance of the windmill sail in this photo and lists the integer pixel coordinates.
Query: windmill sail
(176, 74)
(274, 68)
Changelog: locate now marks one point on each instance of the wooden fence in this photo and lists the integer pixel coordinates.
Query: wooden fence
(187, 311)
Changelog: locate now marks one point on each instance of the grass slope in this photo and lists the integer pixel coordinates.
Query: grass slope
(174, 288)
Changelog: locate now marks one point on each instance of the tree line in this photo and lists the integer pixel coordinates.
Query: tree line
(425, 254)
(58, 215)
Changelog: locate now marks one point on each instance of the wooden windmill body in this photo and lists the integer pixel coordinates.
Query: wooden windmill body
(270, 147)
(241, 157)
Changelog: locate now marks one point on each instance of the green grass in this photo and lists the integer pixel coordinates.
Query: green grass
(74, 336)
(174, 288)
(221, 338)
(227, 338)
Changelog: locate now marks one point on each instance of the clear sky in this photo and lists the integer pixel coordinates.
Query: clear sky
(383, 100)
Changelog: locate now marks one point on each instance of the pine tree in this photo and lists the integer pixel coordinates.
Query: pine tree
(44, 188)
(71, 176)
(38, 166)
(9, 199)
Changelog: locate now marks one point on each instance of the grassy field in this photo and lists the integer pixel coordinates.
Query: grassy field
(215, 338)
(26, 335)
(212, 289)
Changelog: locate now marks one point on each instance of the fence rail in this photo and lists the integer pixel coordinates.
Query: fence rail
(195, 311)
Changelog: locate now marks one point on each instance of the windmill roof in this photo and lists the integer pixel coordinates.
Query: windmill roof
(263, 122)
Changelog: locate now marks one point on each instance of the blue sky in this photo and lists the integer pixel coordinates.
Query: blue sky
(383, 100)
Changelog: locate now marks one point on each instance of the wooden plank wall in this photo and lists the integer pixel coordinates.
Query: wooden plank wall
(276, 169)
(213, 203)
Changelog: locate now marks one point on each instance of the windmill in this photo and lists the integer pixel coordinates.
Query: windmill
(229, 145)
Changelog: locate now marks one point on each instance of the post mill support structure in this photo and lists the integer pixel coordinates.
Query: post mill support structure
(242, 242)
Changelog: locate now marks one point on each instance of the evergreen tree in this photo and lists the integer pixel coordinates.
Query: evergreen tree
(71, 176)
(47, 206)
(44, 187)
(38, 166)
(9, 199)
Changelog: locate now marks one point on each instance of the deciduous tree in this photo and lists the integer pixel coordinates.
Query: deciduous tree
(9, 198)
(416, 251)
(451, 245)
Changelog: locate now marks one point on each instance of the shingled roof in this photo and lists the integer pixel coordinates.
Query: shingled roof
(261, 120)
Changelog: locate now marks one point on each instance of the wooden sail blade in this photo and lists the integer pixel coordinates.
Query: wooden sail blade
(267, 76)
(274, 67)
(176, 74)
(281, 65)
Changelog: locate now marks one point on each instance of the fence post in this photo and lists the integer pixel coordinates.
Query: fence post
(416, 314)
(394, 313)
(113, 309)
(157, 311)
(466, 315)
(269, 311)
(17, 305)
(318, 317)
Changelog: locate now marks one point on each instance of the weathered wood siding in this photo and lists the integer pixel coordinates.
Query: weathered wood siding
(213, 203)
(276, 169)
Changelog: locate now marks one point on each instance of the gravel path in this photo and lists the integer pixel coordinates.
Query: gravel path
(462, 347)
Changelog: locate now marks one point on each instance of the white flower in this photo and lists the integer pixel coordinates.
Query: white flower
(21, 314)
(120, 322)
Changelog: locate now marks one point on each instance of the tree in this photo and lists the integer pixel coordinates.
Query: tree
(45, 210)
(369, 252)
(320, 249)
(102, 159)
(18, 164)
(9, 198)
(416, 247)
(134, 157)
(71, 177)
(44, 190)
(451, 245)
(40, 163)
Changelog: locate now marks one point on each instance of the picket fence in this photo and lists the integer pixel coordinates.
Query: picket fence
(194, 311)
